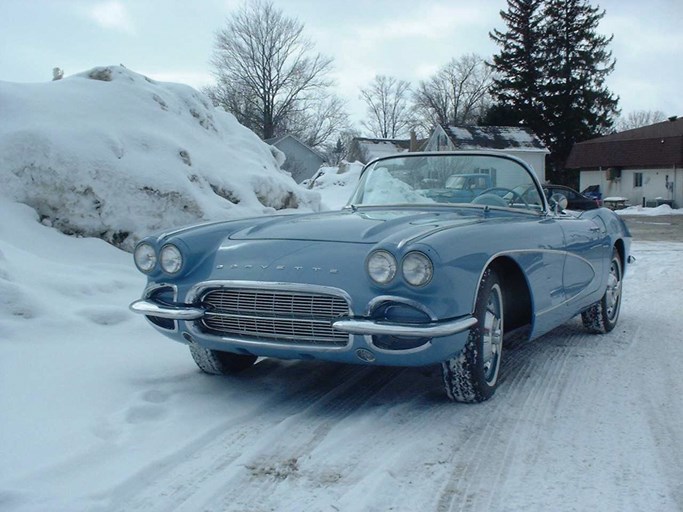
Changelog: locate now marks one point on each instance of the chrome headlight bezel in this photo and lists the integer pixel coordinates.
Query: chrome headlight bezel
(381, 266)
(417, 269)
(171, 259)
(145, 257)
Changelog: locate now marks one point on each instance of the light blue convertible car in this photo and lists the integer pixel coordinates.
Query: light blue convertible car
(400, 276)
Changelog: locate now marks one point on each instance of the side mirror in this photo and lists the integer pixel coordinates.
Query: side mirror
(558, 202)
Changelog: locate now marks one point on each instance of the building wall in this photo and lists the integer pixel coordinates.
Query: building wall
(535, 159)
(439, 141)
(654, 184)
(301, 162)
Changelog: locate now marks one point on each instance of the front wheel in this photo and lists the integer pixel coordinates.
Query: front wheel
(602, 316)
(472, 375)
(217, 362)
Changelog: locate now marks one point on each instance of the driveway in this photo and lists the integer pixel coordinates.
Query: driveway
(665, 228)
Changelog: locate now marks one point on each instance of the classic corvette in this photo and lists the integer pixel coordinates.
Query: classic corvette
(406, 274)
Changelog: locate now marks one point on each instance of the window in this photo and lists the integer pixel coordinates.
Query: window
(637, 179)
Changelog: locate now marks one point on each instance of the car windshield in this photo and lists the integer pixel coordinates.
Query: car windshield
(447, 179)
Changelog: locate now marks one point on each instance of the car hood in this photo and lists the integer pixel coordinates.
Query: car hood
(347, 226)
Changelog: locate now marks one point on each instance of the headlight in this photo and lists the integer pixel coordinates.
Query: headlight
(170, 258)
(417, 268)
(145, 257)
(381, 267)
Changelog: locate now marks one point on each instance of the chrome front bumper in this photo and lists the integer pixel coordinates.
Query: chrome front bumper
(159, 309)
(364, 327)
(430, 330)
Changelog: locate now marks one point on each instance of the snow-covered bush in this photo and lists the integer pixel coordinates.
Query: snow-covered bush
(113, 154)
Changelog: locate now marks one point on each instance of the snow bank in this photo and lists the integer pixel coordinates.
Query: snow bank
(663, 209)
(112, 154)
(335, 184)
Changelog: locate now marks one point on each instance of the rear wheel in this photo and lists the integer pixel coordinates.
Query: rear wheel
(472, 375)
(217, 362)
(602, 316)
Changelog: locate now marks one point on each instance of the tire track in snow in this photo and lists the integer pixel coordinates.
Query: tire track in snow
(168, 482)
(184, 480)
(535, 377)
(289, 444)
(574, 366)
(323, 478)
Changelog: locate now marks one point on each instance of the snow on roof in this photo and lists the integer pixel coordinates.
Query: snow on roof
(378, 148)
(274, 141)
(113, 154)
(494, 137)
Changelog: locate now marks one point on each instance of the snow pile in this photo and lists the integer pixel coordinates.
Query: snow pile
(381, 187)
(663, 209)
(112, 154)
(335, 184)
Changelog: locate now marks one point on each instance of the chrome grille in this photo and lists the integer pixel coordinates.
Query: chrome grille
(275, 315)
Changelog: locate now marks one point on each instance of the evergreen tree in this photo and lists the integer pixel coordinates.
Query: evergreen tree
(519, 65)
(551, 72)
(578, 105)
(339, 148)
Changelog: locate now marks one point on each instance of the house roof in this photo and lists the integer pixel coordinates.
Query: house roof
(494, 137)
(377, 148)
(656, 145)
(276, 140)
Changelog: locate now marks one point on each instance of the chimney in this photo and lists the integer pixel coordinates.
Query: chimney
(413, 141)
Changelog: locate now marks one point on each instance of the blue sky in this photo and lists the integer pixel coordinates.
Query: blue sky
(172, 40)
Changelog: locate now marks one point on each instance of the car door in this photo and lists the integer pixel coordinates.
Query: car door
(586, 244)
(575, 200)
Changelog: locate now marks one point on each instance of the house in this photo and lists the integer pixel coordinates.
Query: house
(643, 165)
(302, 162)
(364, 149)
(512, 140)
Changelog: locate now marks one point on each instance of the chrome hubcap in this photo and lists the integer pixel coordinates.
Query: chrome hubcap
(493, 335)
(613, 295)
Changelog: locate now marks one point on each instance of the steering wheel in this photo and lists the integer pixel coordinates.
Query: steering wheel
(488, 195)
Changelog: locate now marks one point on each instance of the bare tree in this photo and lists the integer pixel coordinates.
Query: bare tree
(322, 118)
(457, 94)
(638, 118)
(389, 113)
(236, 99)
(264, 67)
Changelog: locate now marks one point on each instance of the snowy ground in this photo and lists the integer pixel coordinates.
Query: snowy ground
(101, 413)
